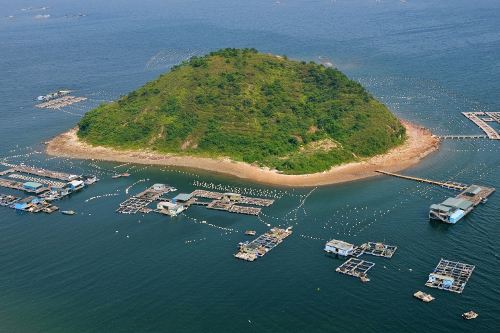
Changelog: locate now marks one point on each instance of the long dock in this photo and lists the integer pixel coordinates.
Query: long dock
(448, 184)
(39, 172)
(453, 136)
(475, 117)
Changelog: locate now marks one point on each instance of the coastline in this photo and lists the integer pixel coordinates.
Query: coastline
(419, 144)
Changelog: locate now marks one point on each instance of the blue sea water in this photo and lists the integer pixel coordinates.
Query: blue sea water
(427, 60)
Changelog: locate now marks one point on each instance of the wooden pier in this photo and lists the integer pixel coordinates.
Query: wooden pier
(452, 136)
(448, 184)
(475, 117)
(450, 275)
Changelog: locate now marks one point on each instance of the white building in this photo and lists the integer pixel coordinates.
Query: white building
(339, 247)
(170, 208)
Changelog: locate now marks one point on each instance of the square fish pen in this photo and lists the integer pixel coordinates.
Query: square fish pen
(450, 275)
(379, 249)
(355, 267)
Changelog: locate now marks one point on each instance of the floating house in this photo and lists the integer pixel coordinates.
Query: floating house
(24, 204)
(339, 247)
(33, 186)
(182, 197)
(445, 281)
(170, 208)
(76, 185)
(451, 210)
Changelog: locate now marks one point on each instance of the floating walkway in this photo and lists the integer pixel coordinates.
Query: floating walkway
(450, 275)
(260, 246)
(448, 184)
(475, 117)
(479, 136)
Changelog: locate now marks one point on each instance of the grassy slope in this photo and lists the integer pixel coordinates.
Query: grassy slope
(250, 107)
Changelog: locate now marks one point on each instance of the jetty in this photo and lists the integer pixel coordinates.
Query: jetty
(458, 136)
(356, 267)
(455, 208)
(250, 251)
(482, 123)
(450, 275)
(447, 184)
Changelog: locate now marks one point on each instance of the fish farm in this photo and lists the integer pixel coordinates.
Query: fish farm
(44, 186)
(356, 267)
(261, 245)
(58, 100)
(229, 202)
(450, 275)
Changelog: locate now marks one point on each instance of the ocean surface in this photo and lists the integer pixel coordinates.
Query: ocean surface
(99, 271)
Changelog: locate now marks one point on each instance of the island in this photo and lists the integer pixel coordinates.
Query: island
(257, 116)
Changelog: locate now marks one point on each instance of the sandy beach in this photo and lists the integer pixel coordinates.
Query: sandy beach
(420, 143)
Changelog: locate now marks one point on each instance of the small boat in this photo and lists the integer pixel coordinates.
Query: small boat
(125, 174)
(250, 232)
(424, 297)
(68, 212)
(469, 315)
(364, 278)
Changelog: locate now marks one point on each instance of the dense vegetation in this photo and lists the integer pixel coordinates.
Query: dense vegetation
(293, 116)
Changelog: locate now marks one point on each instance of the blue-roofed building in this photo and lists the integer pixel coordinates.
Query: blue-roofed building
(32, 186)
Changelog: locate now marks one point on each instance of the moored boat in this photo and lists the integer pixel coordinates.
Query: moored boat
(469, 315)
(68, 212)
(424, 297)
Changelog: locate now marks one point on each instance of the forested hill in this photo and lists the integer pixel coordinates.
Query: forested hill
(292, 116)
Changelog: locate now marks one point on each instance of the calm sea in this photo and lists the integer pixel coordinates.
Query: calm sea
(103, 272)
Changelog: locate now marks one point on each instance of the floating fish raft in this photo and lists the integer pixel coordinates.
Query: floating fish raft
(260, 246)
(356, 267)
(450, 275)
(44, 185)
